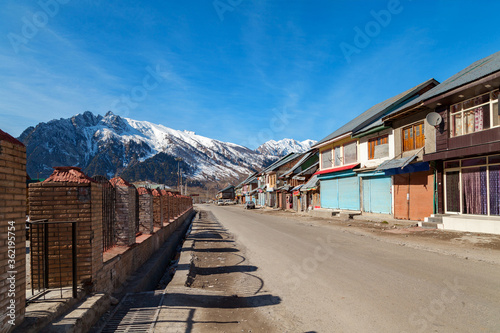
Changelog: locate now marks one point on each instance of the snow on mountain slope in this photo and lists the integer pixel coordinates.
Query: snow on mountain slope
(284, 147)
(110, 144)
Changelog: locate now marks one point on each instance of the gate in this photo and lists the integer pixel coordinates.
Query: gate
(108, 212)
(52, 254)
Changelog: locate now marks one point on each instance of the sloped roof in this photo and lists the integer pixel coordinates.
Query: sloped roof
(226, 188)
(308, 154)
(311, 183)
(69, 175)
(9, 138)
(471, 73)
(143, 191)
(282, 161)
(119, 181)
(375, 112)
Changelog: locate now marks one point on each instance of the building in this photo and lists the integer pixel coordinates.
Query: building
(466, 152)
(226, 193)
(349, 157)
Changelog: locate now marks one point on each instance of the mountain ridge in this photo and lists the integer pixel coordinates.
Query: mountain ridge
(112, 145)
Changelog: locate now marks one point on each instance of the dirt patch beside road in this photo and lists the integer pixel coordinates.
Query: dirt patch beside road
(467, 245)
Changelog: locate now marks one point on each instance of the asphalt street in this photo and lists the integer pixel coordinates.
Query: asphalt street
(332, 280)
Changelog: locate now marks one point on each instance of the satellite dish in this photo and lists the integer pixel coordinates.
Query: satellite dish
(434, 119)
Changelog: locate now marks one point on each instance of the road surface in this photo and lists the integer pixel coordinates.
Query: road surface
(330, 280)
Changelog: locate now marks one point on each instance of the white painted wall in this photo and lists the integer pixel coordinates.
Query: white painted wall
(363, 149)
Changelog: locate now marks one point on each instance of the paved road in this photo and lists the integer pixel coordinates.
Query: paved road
(330, 280)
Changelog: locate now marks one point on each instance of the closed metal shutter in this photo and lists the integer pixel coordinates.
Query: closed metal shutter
(377, 196)
(348, 193)
(329, 193)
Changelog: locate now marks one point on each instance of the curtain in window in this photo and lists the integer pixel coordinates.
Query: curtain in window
(478, 117)
(452, 191)
(474, 190)
(495, 190)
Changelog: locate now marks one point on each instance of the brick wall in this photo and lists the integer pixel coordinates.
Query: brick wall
(165, 207)
(125, 215)
(146, 222)
(13, 216)
(67, 201)
(117, 270)
(157, 209)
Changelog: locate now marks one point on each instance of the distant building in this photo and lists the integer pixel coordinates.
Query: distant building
(226, 193)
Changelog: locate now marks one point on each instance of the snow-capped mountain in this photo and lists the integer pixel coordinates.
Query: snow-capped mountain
(112, 145)
(284, 147)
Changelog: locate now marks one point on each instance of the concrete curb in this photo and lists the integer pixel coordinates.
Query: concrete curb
(82, 317)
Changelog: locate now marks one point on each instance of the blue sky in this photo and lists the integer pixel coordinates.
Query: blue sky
(235, 70)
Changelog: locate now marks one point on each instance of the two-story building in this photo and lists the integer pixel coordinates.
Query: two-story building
(466, 151)
(349, 157)
(298, 175)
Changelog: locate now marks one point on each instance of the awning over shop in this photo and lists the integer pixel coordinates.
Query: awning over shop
(337, 169)
(312, 184)
(296, 188)
(402, 165)
(284, 188)
(395, 163)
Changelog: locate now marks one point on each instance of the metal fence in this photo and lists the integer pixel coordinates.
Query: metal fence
(108, 212)
(50, 249)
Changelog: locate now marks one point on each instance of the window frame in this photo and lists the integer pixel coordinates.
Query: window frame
(371, 147)
(493, 100)
(412, 136)
(331, 159)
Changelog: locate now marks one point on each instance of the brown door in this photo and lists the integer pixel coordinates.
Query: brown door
(413, 195)
(421, 195)
(401, 202)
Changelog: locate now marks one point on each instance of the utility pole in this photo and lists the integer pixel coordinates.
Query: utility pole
(179, 179)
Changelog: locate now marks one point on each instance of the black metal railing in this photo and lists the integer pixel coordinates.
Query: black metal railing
(49, 247)
(108, 212)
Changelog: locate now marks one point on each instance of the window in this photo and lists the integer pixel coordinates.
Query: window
(472, 186)
(350, 153)
(475, 114)
(338, 156)
(413, 137)
(326, 159)
(378, 147)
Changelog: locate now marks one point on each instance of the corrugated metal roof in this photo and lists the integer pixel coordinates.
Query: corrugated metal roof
(9, 138)
(304, 158)
(311, 183)
(475, 71)
(69, 175)
(375, 112)
(309, 170)
(395, 163)
(282, 161)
